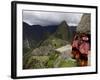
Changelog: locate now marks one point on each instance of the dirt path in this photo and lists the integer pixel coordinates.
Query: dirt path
(65, 51)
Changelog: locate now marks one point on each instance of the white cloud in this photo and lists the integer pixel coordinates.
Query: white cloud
(50, 18)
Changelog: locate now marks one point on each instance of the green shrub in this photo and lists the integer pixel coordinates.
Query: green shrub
(68, 63)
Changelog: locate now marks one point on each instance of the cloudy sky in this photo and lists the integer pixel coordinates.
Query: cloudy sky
(51, 18)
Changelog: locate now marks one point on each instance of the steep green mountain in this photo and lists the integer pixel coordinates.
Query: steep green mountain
(63, 31)
(61, 37)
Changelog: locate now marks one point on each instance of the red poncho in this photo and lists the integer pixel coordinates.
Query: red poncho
(84, 48)
(81, 45)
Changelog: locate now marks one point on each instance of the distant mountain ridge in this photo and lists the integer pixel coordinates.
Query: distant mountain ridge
(36, 33)
(33, 35)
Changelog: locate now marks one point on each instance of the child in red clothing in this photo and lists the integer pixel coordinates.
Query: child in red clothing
(84, 50)
(80, 48)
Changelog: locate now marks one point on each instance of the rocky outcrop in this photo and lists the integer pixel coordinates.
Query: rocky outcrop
(42, 50)
(26, 43)
(85, 24)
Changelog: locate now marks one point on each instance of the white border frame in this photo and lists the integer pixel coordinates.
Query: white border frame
(37, 72)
